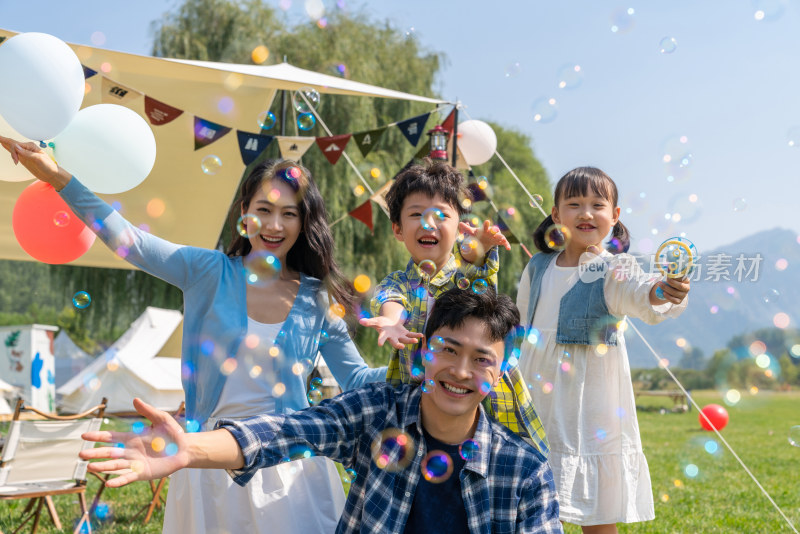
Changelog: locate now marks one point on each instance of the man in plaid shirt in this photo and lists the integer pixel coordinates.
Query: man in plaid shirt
(499, 482)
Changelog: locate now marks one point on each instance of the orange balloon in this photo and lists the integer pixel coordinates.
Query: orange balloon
(46, 228)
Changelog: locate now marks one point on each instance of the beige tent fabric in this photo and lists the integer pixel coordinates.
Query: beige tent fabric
(195, 203)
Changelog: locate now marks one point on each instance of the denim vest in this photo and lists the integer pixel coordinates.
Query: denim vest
(583, 317)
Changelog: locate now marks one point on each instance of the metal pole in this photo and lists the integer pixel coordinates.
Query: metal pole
(455, 134)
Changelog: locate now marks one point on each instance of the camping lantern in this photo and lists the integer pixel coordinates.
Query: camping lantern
(438, 143)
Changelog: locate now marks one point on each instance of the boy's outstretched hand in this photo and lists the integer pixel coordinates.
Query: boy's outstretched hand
(488, 236)
(391, 330)
(159, 450)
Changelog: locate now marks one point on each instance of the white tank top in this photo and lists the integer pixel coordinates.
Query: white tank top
(248, 389)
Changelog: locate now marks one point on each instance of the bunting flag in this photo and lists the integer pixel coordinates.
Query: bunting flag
(461, 162)
(87, 72)
(206, 132)
(160, 113)
(423, 152)
(3, 39)
(450, 122)
(506, 231)
(333, 147)
(413, 128)
(366, 141)
(116, 93)
(294, 147)
(251, 145)
(379, 197)
(478, 194)
(363, 213)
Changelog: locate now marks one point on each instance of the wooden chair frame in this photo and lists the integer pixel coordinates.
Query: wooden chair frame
(41, 497)
(155, 487)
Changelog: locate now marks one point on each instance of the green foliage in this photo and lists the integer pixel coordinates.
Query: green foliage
(515, 148)
(692, 358)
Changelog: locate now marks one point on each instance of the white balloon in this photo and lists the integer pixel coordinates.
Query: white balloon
(109, 148)
(42, 84)
(476, 141)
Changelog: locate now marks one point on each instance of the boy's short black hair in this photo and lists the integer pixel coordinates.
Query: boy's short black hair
(497, 312)
(430, 178)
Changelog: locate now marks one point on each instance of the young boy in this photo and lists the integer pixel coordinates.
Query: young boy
(498, 482)
(425, 207)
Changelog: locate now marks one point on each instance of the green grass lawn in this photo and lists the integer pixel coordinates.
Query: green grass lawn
(721, 498)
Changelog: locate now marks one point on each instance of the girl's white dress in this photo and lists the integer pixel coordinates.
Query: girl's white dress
(585, 399)
(296, 497)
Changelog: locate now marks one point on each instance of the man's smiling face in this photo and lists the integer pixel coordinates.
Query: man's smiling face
(464, 367)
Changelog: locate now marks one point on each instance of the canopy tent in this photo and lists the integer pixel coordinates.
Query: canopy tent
(131, 368)
(69, 358)
(195, 204)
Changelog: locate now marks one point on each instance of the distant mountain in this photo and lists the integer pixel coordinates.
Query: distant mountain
(720, 309)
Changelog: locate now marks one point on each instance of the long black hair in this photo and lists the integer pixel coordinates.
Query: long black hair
(578, 182)
(312, 253)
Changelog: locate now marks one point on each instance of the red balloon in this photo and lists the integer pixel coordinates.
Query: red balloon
(46, 228)
(716, 414)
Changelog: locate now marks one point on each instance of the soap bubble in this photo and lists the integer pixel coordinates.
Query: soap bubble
(261, 267)
(557, 236)
(314, 397)
(469, 449)
(393, 450)
(622, 20)
(81, 300)
(431, 218)
(437, 467)
(667, 45)
(266, 120)
(479, 286)
(428, 268)
(248, 225)
(306, 121)
(545, 110)
(211, 164)
(305, 99)
(348, 476)
(570, 76)
(428, 386)
(436, 343)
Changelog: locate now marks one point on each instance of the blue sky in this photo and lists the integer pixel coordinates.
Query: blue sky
(721, 101)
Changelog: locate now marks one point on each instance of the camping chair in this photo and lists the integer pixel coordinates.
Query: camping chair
(40, 460)
(155, 487)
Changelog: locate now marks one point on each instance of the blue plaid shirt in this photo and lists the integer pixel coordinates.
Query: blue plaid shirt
(506, 487)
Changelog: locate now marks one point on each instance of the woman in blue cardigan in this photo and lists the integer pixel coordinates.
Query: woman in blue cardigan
(254, 319)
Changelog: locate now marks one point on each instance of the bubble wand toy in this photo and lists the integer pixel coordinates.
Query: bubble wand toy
(675, 258)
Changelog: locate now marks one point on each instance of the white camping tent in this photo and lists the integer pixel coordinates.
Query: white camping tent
(70, 359)
(131, 368)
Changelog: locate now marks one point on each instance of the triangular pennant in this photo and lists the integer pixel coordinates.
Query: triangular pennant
(379, 196)
(366, 141)
(450, 122)
(363, 213)
(505, 230)
(116, 93)
(333, 147)
(423, 152)
(294, 147)
(461, 162)
(251, 145)
(413, 128)
(3, 39)
(160, 113)
(87, 72)
(206, 132)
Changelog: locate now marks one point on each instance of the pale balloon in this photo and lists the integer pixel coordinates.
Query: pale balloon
(109, 148)
(476, 141)
(42, 84)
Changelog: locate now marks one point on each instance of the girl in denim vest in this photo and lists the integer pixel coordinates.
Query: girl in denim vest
(574, 303)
